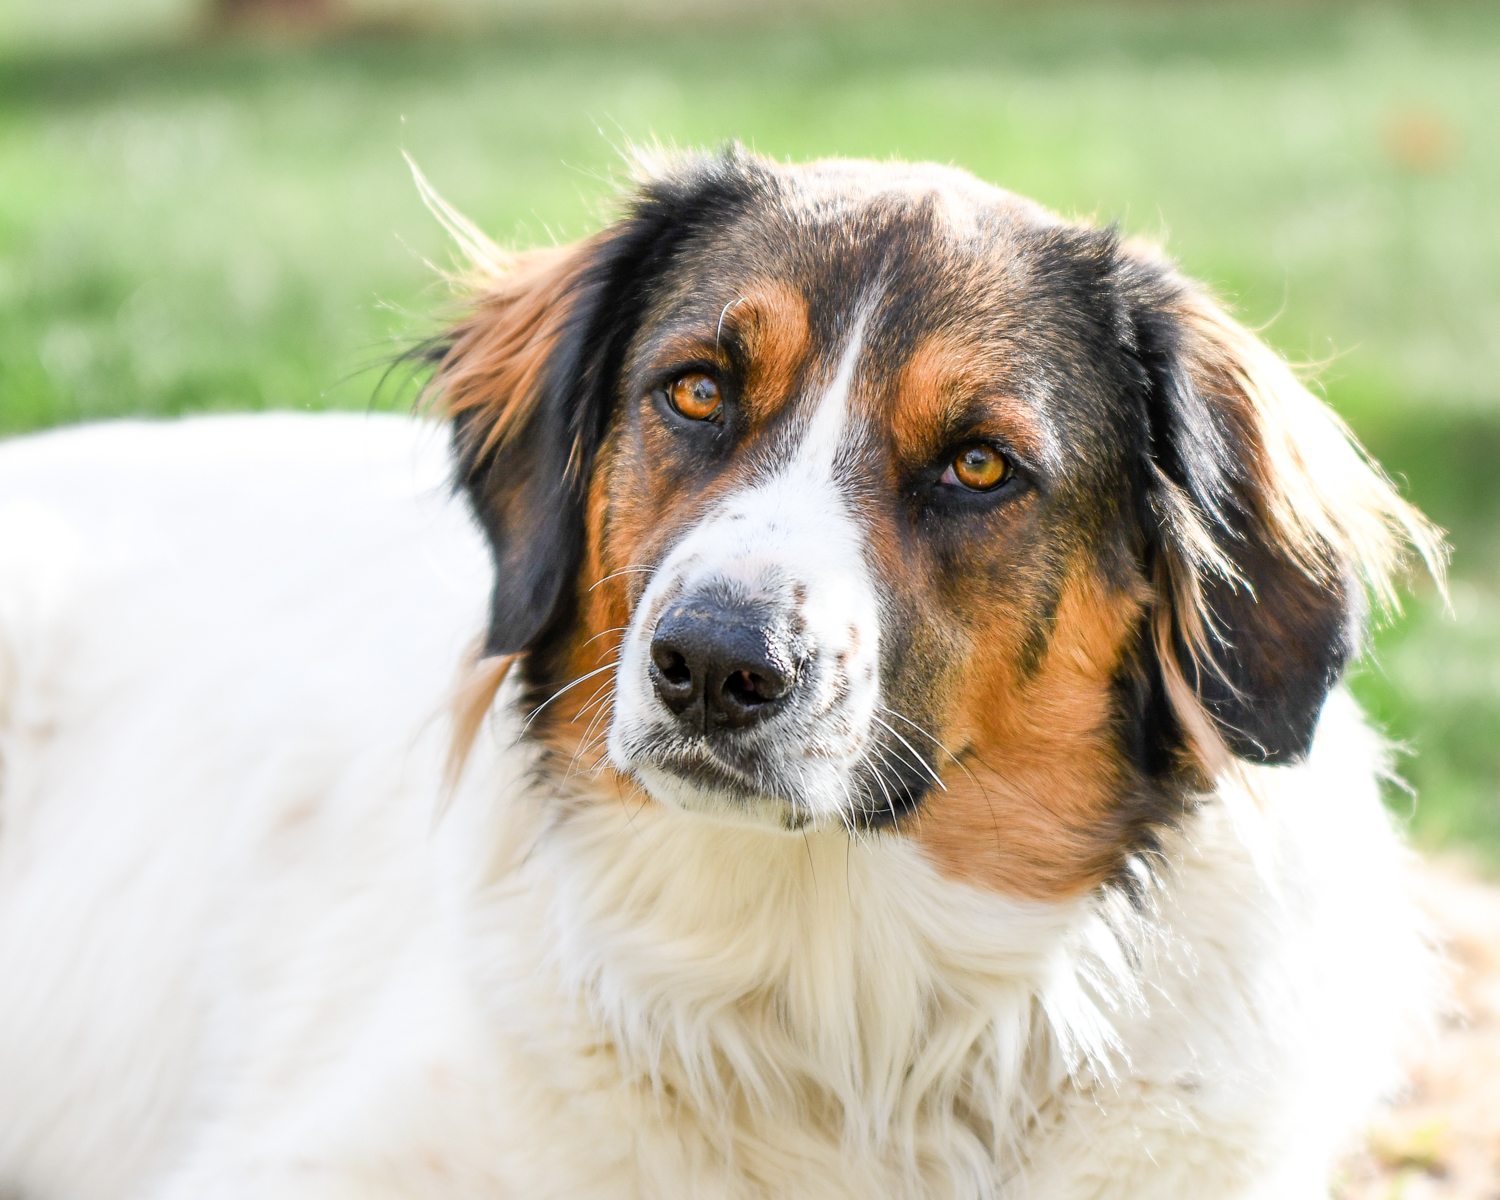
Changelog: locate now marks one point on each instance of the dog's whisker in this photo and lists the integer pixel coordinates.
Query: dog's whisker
(922, 762)
(604, 689)
(590, 739)
(586, 742)
(812, 868)
(606, 706)
(604, 633)
(903, 717)
(621, 571)
(567, 687)
(957, 761)
(879, 777)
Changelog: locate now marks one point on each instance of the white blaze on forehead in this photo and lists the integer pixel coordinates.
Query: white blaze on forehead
(830, 419)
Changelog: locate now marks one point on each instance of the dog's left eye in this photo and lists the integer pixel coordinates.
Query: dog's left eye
(695, 396)
(979, 468)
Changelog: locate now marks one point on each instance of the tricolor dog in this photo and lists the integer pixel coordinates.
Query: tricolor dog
(866, 723)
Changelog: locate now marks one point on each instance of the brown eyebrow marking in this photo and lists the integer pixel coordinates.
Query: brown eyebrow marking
(769, 322)
(946, 381)
(688, 347)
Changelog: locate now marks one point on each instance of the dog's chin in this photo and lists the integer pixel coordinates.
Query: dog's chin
(736, 804)
(730, 783)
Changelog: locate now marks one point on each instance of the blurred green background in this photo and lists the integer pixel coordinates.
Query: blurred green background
(202, 215)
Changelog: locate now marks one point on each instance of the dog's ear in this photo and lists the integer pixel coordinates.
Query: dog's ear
(529, 380)
(1266, 526)
(524, 381)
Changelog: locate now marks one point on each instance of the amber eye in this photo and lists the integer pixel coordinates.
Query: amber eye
(979, 468)
(694, 396)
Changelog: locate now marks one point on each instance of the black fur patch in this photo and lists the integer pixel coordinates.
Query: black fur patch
(1279, 639)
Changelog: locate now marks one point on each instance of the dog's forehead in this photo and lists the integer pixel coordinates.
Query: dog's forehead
(839, 188)
(958, 290)
(851, 233)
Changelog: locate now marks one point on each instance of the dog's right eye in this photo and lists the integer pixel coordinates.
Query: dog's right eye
(696, 396)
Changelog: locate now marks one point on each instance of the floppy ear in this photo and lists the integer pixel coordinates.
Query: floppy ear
(1266, 527)
(523, 379)
(529, 379)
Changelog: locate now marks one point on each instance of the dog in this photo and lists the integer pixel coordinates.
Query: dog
(839, 698)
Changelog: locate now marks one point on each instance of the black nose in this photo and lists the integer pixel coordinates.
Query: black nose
(714, 665)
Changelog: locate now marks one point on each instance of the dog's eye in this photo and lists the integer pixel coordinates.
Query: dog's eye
(979, 468)
(695, 396)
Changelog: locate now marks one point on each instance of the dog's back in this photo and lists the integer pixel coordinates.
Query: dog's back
(212, 635)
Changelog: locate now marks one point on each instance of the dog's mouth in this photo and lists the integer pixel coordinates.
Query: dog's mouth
(701, 767)
(696, 775)
(877, 790)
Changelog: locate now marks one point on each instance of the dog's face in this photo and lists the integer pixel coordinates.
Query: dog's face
(871, 496)
(864, 453)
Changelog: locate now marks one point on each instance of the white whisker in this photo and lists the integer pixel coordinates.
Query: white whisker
(926, 766)
(621, 571)
(567, 687)
(879, 777)
(604, 633)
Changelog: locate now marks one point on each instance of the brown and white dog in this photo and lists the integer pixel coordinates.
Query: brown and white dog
(906, 757)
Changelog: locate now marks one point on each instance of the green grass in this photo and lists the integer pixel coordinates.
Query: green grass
(206, 225)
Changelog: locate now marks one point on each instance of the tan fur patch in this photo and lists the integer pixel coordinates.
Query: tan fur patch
(496, 355)
(1032, 810)
(939, 384)
(771, 320)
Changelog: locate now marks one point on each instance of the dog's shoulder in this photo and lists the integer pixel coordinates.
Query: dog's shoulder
(1281, 964)
(225, 649)
(220, 586)
(146, 539)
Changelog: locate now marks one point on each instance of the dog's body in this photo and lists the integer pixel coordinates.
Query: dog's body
(251, 945)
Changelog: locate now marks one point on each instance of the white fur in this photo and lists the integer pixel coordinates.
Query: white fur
(241, 957)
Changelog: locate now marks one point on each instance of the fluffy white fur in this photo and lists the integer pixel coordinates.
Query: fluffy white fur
(242, 956)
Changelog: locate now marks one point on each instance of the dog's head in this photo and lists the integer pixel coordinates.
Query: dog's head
(871, 495)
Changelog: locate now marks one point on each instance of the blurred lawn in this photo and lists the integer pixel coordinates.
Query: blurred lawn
(202, 224)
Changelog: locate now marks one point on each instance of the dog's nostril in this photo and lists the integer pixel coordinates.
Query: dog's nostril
(749, 689)
(673, 668)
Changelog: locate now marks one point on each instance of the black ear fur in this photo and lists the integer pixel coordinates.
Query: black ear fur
(529, 488)
(1278, 650)
(1277, 631)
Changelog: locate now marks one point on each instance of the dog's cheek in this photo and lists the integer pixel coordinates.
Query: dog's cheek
(581, 672)
(637, 506)
(642, 505)
(1036, 810)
